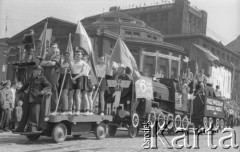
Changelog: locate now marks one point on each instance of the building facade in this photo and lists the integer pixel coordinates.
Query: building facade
(152, 54)
(3, 58)
(228, 59)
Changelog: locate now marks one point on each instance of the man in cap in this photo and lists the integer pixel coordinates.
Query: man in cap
(51, 72)
(29, 42)
(6, 105)
(38, 87)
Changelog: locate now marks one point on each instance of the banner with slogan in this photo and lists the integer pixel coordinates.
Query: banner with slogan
(214, 107)
(144, 88)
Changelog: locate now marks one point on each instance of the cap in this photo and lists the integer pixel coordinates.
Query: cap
(37, 67)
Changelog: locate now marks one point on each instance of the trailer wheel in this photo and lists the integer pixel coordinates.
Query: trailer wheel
(217, 123)
(222, 124)
(135, 120)
(161, 120)
(210, 122)
(33, 137)
(59, 132)
(152, 118)
(177, 121)
(185, 122)
(100, 131)
(205, 122)
(132, 131)
(170, 121)
(112, 130)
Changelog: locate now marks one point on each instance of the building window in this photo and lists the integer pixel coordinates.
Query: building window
(128, 33)
(223, 56)
(154, 37)
(136, 34)
(149, 36)
(125, 20)
(109, 19)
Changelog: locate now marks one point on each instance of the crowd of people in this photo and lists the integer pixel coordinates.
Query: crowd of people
(10, 105)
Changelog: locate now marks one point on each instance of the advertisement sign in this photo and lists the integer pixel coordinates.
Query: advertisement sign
(214, 107)
(144, 88)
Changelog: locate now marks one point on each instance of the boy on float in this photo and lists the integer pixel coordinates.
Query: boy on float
(101, 72)
(87, 94)
(67, 83)
(77, 71)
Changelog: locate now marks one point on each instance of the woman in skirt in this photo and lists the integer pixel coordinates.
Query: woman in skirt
(101, 72)
(65, 84)
(77, 71)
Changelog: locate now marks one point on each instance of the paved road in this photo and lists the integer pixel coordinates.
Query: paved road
(88, 143)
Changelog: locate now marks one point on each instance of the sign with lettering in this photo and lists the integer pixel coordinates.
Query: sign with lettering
(214, 107)
(144, 88)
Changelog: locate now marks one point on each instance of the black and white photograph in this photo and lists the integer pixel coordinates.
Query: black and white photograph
(119, 75)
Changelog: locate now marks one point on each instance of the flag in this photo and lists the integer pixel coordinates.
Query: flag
(69, 47)
(122, 55)
(82, 40)
(43, 41)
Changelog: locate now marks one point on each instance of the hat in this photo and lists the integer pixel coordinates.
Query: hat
(37, 67)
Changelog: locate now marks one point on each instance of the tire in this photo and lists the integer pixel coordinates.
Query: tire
(161, 120)
(33, 137)
(170, 121)
(135, 120)
(101, 131)
(59, 133)
(205, 122)
(210, 122)
(177, 121)
(185, 122)
(222, 124)
(132, 131)
(112, 130)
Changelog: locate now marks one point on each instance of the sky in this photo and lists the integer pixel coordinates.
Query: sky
(223, 15)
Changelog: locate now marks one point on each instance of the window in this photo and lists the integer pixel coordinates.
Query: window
(174, 69)
(223, 56)
(136, 34)
(228, 58)
(109, 19)
(154, 37)
(128, 33)
(163, 66)
(204, 45)
(213, 51)
(149, 66)
(149, 36)
(125, 20)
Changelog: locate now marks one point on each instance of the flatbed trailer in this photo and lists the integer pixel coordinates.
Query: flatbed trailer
(59, 126)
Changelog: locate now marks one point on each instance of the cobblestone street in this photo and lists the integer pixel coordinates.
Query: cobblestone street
(15, 143)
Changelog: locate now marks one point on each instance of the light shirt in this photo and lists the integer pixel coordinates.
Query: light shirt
(86, 69)
(218, 92)
(77, 66)
(101, 70)
(13, 95)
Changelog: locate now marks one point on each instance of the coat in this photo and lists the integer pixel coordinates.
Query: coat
(37, 87)
(6, 99)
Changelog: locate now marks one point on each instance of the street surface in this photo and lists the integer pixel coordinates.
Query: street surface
(15, 143)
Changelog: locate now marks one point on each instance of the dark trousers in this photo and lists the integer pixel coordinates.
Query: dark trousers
(44, 110)
(5, 118)
(26, 109)
(34, 114)
(52, 76)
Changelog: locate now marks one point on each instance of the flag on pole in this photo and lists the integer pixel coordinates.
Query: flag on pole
(69, 47)
(82, 40)
(122, 55)
(43, 41)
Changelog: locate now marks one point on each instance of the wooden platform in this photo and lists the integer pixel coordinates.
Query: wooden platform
(80, 118)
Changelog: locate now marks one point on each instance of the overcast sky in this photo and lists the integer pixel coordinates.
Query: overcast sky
(223, 15)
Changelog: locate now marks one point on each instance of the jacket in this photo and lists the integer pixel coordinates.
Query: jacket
(37, 87)
(6, 99)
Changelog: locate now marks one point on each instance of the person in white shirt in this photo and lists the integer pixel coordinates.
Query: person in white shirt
(77, 71)
(13, 90)
(101, 72)
(218, 92)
